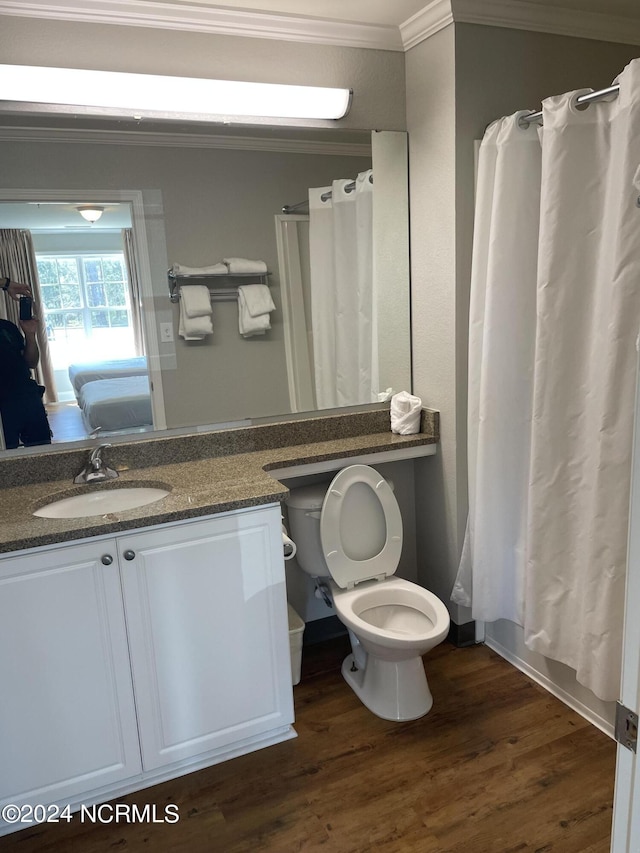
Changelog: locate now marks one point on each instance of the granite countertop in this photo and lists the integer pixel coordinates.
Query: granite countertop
(198, 487)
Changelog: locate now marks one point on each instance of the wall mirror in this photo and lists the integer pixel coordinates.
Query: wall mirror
(195, 196)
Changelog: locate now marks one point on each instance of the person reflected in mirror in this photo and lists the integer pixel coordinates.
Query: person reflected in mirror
(15, 289)
(24, 418)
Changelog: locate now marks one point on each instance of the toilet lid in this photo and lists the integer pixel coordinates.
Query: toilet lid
(360, 527)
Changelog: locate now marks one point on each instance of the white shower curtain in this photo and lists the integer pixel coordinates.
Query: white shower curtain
(552, 392)
(343, 301)
(502, 322)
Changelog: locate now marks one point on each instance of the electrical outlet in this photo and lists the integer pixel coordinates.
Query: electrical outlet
(166, 333)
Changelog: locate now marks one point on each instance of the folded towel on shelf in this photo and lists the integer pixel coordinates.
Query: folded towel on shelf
(194, 328)
(254, 307)
(215, 269)
(244, 265)
(196, 300)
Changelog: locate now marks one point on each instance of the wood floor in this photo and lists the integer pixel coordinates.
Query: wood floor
(65, 421)
(497, 766)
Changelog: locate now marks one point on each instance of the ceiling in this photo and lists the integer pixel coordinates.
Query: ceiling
(396, 25)
(55, 216)
(393, 12)
(385, 12)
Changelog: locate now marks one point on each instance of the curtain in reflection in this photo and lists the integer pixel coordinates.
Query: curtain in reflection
(134, 288)
(343, 301)
(18, 261)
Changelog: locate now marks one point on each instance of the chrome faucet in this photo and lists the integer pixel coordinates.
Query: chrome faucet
(96, 469)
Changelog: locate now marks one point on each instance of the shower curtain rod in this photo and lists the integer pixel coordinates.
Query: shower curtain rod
(581, 99)
(349, 188)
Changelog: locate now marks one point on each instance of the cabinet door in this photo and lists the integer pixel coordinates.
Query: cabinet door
(207, 622)
(67, 717)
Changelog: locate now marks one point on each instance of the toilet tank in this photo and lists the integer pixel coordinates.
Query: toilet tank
(304, 505)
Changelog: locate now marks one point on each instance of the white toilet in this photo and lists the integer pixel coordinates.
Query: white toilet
(352, 533)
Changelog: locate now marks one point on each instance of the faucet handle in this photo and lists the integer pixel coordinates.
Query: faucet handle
(95, 469)
(96, 453)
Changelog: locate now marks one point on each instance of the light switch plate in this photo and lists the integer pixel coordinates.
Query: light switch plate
(166, 332)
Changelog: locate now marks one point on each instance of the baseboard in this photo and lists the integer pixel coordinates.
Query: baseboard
(575, 704)
(462, 635)
(320, 630)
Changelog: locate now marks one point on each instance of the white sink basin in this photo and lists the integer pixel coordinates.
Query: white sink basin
(101, 502)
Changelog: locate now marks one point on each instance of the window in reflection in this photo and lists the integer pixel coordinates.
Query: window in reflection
(87, 309)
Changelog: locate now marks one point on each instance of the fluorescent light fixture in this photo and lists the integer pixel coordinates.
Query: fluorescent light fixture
(120, 91)
(90, 212)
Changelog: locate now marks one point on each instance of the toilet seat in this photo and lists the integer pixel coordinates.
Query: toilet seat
(356, 502)
(425, 617)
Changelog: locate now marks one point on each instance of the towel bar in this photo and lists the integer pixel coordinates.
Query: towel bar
(216, 295)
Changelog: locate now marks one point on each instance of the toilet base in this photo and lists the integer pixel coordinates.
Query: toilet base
(392, 690)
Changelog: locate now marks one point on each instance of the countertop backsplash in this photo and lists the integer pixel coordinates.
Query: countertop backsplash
(53, 466)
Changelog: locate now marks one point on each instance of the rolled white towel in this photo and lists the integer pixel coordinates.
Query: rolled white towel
(244, 265)
(215, 269)
(196, 300)
(406, 410)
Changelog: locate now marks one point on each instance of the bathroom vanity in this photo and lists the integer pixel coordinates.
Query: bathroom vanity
(141, 645)
(133, 654)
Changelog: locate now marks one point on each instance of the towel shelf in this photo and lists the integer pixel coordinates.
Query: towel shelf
(219, 294)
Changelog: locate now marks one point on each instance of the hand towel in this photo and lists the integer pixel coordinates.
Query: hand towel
(254, 307)
(216, 269)
(196, 300)
(244, 265)
(194, 328)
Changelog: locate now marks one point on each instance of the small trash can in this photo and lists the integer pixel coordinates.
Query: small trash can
(296, 630)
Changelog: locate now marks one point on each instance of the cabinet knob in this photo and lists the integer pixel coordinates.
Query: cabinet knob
(129, 555)
(107, 559)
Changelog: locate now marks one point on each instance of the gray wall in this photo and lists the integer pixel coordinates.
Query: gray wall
(391, 259)
(217, 203)
(66, 242)
(457, 83)
(431, 124)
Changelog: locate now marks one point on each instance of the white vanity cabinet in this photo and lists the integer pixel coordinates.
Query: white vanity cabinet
(208, 634)
(128, 660)
(67, 717)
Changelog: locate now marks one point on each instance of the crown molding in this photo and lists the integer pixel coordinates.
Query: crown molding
(436, 15)
(221, 21)
(519, 15)
(427, 22)
(159, 139)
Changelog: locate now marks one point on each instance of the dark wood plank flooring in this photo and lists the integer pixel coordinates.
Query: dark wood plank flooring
(497, 766)
(65, 420)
